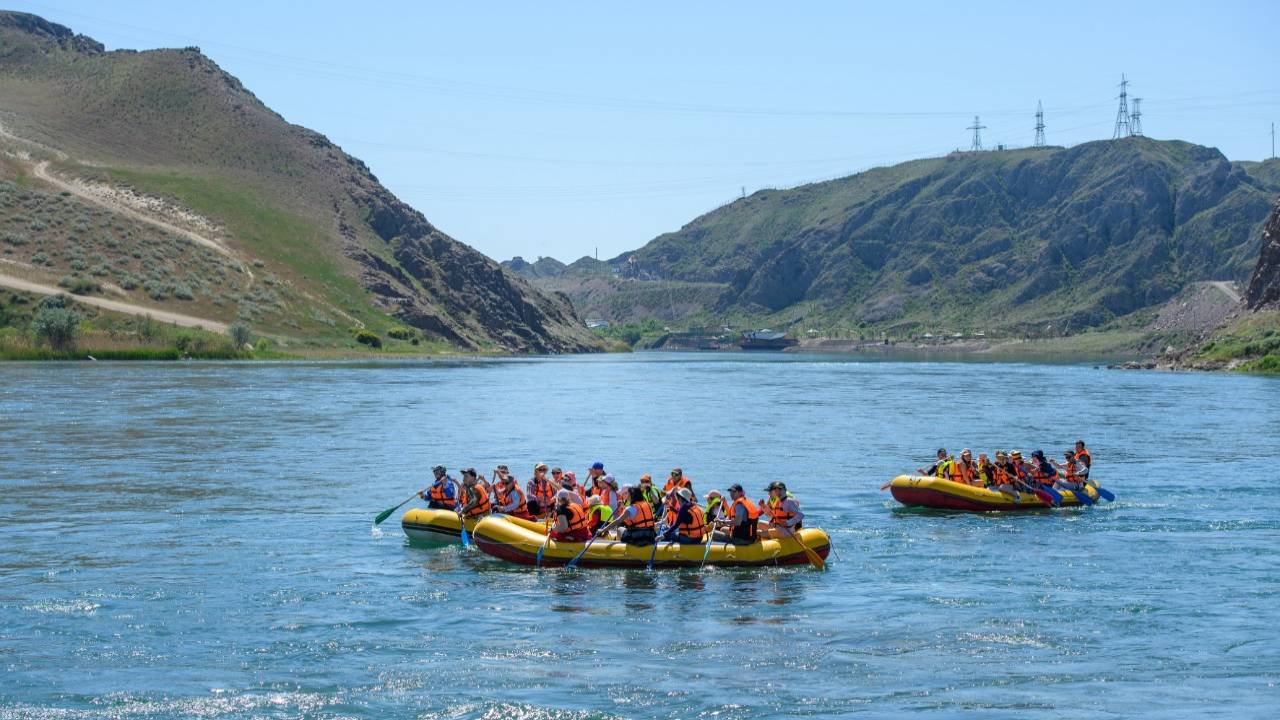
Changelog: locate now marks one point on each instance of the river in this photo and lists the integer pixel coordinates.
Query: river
(195, 540)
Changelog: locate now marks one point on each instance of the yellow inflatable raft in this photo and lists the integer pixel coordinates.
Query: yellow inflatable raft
(933, 492)
(443, 526)
(518, 541)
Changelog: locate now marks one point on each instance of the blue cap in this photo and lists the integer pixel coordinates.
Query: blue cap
(597, 465)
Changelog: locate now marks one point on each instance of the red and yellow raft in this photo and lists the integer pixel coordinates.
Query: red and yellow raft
(516, 542)
(934, 492)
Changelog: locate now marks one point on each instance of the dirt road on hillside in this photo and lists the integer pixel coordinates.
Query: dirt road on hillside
(17, 283)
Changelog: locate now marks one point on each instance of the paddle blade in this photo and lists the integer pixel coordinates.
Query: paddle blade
(815, 559)
(1083, 496)
(1105, 493)
(462, 525)
(384, 515)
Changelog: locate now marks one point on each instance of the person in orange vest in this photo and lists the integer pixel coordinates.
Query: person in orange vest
(594, 473)
(639, 525)
(474, 501)
(511, 499)
(690, 526)
(540, 493)
(784, 513)
(678, 480)
(443, 493)
(607, 491)
(1074, 472)
(963, 471)
(1083, 455)
(650, 492)
(571, 524)
(743, 517)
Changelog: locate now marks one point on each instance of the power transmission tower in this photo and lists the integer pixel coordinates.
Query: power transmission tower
(1136, 119)
(1039, 125)
(1273, 141)
(1123, 128)
(977, 129)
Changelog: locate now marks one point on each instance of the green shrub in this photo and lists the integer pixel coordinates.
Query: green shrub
(56, 326)
(79, 285)
(401, 332)
(130, 282)
(15, 239)
(240, 334)
(364, 337)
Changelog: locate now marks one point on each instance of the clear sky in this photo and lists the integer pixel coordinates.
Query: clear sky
(548, 128)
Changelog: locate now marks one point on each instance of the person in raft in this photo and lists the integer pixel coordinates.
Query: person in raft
(569, 481)
(676, 480)
(511, 498)
(1082, 454)
(715, 507)
(540, 493)
(594, 473)
(474, 501)
(743, 517)
(1075, 474)
(784, 513)
(690, 526)
(639, 527)
(443, 493)
(598, 514)
(571, 519)
(650, 493)
(1042, 470)
(938, 468)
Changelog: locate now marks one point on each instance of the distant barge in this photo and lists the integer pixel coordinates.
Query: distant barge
(765, 340)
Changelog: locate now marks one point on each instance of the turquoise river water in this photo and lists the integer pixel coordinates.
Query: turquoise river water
(196, 541)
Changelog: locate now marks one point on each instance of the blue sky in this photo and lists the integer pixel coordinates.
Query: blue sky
(554, 128)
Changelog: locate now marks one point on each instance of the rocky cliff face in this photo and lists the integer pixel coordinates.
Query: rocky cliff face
(1046, 240)
(1264, 287)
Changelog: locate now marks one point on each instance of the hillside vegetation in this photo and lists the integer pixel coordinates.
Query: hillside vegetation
(158, 179)
(1028, 243)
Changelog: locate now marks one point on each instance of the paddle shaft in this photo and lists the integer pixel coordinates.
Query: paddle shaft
(387, 513)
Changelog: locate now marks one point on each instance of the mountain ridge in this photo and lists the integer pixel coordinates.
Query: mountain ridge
(171, 124)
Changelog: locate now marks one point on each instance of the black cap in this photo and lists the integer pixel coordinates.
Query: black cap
(735, 488)
(469, 471)
(941, 451)
(439, 470)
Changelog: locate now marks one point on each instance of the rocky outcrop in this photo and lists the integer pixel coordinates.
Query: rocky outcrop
(1264, 287)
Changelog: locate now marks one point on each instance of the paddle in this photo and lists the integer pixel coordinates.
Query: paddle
(584, 550)
(1083, 496)
(1045, 496)
(462, 526)
(1106, 494)
(814, 558)
(538, 562)
(710, 531)
(387, 513)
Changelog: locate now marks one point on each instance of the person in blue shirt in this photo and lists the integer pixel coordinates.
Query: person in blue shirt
(443, 493)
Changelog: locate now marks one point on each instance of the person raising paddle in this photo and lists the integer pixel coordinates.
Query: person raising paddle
(785, 517)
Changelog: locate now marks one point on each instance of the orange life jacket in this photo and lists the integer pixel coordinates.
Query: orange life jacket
(777, 515)
(438, 496)
(1084, 457)
(1000, 476)
(696, 526)
(542, 492)
(673, 483)
(671, 516)
(643, 517)
(962, 473)
(505, 497)
(606, 494)
(482, 507)
(753, 518)
(577, 518)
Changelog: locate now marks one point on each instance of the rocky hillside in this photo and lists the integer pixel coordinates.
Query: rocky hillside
(1264, 286)
(124, 165)
(1027, 242)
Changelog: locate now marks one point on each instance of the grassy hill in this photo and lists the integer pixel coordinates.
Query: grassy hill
(1035, 242)
(158, 179)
